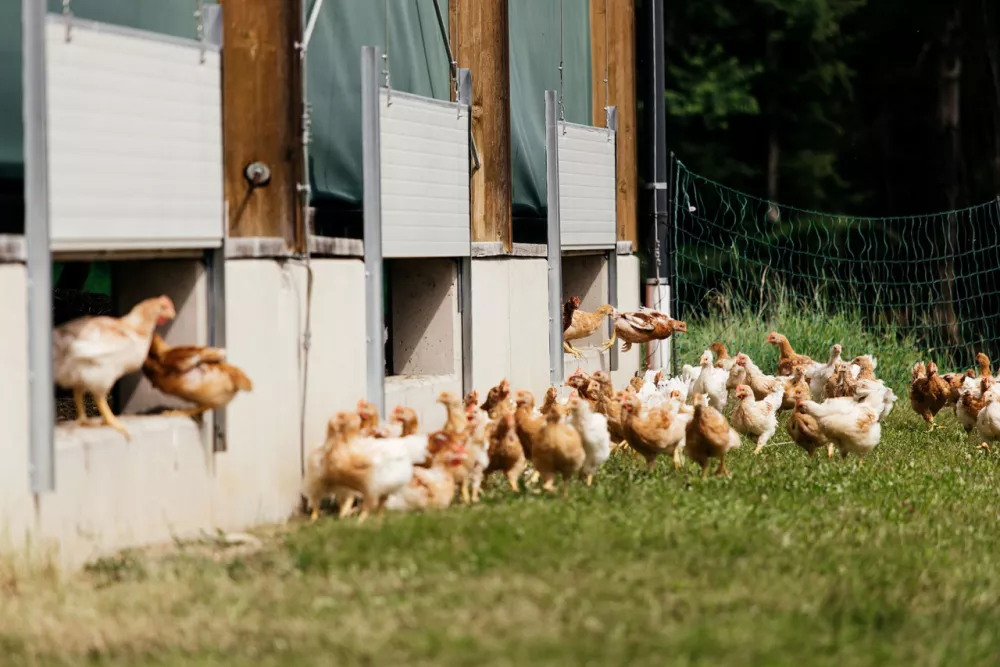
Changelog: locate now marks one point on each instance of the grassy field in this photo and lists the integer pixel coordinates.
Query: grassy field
(790, 562)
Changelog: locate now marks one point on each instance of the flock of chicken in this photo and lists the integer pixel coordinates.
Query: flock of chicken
(839, 405)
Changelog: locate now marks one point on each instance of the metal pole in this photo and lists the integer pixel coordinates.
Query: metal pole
(216, 265)
(311, 24)
(554, 248)
(372, 169)
(41, 467)
(659, 144)
(613, 302)
(465, 266)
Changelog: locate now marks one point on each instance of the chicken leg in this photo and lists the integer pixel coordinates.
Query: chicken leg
(677, 458)
(610, 343)
(188, 412)
(314, 515)
(109, 417)
(568, 347)
(81, 409)
(466, 497)
(984, 446)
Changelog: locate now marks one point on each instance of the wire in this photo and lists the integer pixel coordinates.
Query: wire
(562, 97)
(385, 56)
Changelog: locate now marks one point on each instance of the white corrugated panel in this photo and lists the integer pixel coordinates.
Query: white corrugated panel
(586, 186)
(135, 140)
(424, 146)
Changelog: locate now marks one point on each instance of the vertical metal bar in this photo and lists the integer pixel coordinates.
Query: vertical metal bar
(464, 76)
(41, 470)
(216, 271)
(556, 374)
(372, 169)
(675, 302)
(658, 110)
(613, 301)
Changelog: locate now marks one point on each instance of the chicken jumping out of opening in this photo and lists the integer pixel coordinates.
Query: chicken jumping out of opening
(584, 324)
(199, 375)
(644, 326)
(90, 354)
(570, 307)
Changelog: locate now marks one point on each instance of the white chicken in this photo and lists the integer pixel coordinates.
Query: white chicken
(432, 487)
(758, 419)
(819, 375)
(852, 424)
(988, 421)
(689, 374)
(711, 382)
(969, 394)
(593, 430)
(90, 354)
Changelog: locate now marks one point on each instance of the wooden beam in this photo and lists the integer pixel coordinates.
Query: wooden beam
(262, 108)
(612, 50)
(479, 38)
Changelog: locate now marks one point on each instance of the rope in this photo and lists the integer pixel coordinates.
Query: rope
(562, 98)
(385, 56)
(903, 279)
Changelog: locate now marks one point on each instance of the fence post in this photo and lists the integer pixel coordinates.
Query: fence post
(671, 236)
(372, 170)
(41, 466)
(554, 247)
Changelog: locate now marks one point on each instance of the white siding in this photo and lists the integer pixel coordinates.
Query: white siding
(424, 146)
(135, 140)
(586, 187)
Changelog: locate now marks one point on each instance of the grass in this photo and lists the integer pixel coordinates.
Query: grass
(789, 562)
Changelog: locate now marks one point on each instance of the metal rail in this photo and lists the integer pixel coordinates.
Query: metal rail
(554, 247)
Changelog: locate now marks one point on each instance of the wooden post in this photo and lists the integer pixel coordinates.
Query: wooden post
(479, 40)
(262, 109)
(612, 50)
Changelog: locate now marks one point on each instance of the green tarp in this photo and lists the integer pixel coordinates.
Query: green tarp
(417, 64)
(534, 68)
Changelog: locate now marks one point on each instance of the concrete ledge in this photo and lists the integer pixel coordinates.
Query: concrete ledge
(328, 246)
(270, 247)
(13, 249)
(495, 249)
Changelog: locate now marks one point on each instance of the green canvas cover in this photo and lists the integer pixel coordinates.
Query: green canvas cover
(534, 68)
(417, 63)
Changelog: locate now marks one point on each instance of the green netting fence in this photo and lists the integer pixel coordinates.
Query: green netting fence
(903, 287)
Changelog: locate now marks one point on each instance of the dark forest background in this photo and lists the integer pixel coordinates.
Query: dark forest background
(875, 107)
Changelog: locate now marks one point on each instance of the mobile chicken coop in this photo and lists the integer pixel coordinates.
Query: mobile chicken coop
(455, 188)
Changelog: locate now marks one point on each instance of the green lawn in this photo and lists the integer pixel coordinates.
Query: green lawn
(787, 563)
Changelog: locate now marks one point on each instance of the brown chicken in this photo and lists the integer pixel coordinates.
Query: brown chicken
(498, 400)
(528, 425)
(722, 358)
(549, 401)
(199, 375)
(471, 400)
(559, 451)
(796, 388)
(928, 392)
(456, 420)
(864, 362)
(636, 383)
(585, 386)
(370, 427)
(954, 382)
(709, 436)
(570, 307)
(985, 367)
(644, 326)
(788, 360)
(584, 324)
(90, 354)
(432, 487)
(805, 430)
(603, 379)
(969, 405)
(505, 451)
(657, 432)
(842, 382)
(407, 420)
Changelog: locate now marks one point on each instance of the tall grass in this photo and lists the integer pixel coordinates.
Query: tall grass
(811, 325)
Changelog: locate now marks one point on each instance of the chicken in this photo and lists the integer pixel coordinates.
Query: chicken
(820, 374)
(611, 408)
(644, 326)
(471, 400)
(762, 385)
(676, 388)
(955, 382)
(585, 386)
(498, 400)
(865, 367)
(841, 383)
(985, 369)
(407, 420)
(559, 451)
(755, 418)
(928, 392)
(322, 464)
(805, 431)
(851, 424)
(370, 427)
(584, 324)
(689, 374)
(737, 376)
(431, 487)
(549, 401)
(199, 375)
(570, 307)
(527, 424)
(636, 384)
(456, 420)
(722, 358)
(711, 382)
(653, 433)
(796, 388)
(988, 420)
(471, 473)
(594, 435)
(505, 452)
(788, 360)
(90, 354)
(604, 382)
(971, 400)
(709, 435)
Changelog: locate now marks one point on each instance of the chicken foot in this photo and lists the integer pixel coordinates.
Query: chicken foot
(677, 458)
(188, 412)
(985, 446)
(607, 346)
(568, 347)
(109, 416)
(721, 470)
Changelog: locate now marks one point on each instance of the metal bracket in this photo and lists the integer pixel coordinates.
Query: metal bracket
(611, 121)
(613, 302)
(199, 20)
(554, 248)
(68, 18)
